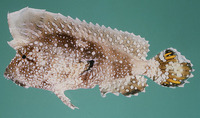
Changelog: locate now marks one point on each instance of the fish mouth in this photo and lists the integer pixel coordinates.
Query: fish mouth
(9, 75)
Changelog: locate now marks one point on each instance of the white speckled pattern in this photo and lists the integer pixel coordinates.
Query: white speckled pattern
(58, 53)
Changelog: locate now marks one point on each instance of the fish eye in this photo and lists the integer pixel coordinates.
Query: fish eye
(23, 56)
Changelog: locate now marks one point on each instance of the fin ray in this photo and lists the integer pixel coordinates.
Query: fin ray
(29, 24)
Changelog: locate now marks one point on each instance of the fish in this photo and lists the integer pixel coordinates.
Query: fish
(59, 53)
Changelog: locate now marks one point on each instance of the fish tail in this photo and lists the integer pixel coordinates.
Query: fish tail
(169, 68)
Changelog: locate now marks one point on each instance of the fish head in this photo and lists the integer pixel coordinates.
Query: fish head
(27, 67)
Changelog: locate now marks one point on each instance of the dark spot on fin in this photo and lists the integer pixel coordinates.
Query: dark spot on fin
(86, 74)
(132, 88)
(91, 64)
(169, 52)
(132, 92)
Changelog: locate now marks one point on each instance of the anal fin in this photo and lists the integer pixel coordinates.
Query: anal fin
(126, 86)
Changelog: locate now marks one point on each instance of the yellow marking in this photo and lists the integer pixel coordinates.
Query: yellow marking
(173, 81)
(170, 57)
(168, 54)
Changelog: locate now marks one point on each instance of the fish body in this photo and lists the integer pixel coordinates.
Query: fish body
(58, 53)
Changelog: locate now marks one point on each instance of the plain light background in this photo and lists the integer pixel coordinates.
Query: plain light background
(164, 23)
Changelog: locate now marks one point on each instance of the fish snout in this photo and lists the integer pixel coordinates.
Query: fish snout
(8, 74)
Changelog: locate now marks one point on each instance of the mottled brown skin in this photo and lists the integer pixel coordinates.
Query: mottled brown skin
(120, 70)
(26, 67)
(58, 53)
(132, 91)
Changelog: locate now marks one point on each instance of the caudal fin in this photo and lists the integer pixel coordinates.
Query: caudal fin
(173, 68)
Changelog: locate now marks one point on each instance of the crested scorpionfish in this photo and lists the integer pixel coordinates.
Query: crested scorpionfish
(58, 53)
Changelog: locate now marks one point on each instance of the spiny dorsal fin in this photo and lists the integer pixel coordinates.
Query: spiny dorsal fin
(30, 24)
